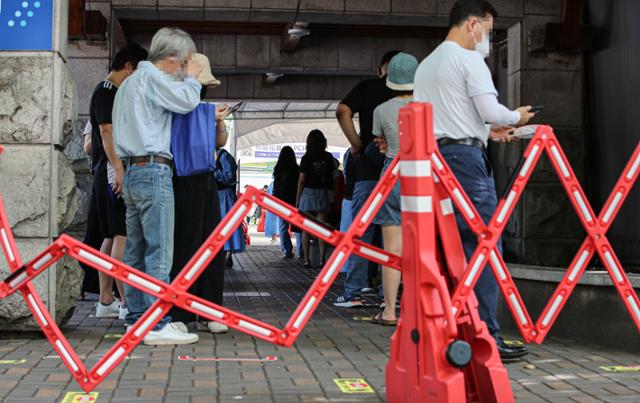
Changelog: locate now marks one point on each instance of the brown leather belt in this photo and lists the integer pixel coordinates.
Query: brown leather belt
(146, 159)
(473, 142)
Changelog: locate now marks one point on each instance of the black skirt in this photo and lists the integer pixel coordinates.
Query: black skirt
(197, 209)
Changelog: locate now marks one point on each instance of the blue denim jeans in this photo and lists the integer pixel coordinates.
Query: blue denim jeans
(285, 239)
(358, 268)
(148, 196)
(471, 167)
(299, 243)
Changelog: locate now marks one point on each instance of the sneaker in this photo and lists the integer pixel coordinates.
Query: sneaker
(366, 290)
(214, 327)
(181, 327)
(342, 302)
(169, 335)
(123, 312)
(107, 311)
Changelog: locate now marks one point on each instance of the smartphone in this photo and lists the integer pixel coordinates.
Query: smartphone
(536, 108)
(235, 107)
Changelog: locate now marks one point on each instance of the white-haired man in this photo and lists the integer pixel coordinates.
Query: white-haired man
(142, 134)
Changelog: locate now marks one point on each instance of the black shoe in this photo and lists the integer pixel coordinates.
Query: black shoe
(228, 263)
(510, 351)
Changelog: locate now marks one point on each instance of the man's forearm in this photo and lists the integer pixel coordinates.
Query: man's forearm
(349, 130)
(109, 148)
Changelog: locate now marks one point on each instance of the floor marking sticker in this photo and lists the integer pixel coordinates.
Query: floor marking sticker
(237, 359)
(621, 368)
(513, 342)
(113, 336)
(76, 397)
(22, 361)
(353, 386)
(363, 318)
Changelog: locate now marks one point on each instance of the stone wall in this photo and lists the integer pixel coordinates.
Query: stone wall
(545, 229)
(37, 116)
(37, 113)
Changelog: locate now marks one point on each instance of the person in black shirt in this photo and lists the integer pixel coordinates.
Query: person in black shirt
(108, 200)
(362, 99)
(285, 181)
(316, 181)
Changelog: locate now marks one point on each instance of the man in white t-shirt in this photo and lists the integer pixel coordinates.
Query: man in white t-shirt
(455, 79)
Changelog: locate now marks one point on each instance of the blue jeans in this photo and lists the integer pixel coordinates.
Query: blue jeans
(148, 196)
(299, 243)
(358, 268)
(471, 167)
(285, 239)
(345, 223)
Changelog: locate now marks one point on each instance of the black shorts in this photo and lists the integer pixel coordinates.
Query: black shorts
(111, 211)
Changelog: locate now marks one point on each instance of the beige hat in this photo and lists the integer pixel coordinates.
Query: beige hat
(206, 76)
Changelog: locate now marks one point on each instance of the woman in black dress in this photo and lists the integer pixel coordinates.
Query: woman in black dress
(285, 182)
(197, 213)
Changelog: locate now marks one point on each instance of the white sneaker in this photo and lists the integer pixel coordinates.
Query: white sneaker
(170, 334)
(123, 312)
(181, 327)
(107, 311)
(217, 328)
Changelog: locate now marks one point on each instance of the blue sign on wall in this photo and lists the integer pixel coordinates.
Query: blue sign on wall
(26, 24)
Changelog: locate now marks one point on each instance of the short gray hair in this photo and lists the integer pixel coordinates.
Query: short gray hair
(171, 42)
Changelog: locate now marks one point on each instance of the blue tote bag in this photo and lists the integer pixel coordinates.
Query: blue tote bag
(193, 140)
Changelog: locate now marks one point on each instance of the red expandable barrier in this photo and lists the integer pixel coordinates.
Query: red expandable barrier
(431, 357)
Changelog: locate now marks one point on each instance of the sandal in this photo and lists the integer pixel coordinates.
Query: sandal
(377, 319)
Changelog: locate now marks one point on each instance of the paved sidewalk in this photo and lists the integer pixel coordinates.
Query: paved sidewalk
(333, 345)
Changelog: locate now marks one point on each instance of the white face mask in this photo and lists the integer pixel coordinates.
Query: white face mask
(484, 46)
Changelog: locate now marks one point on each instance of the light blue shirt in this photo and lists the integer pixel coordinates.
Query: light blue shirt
(143, 108)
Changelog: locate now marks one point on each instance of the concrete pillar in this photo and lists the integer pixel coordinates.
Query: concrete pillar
(545, 229)
(37, 112)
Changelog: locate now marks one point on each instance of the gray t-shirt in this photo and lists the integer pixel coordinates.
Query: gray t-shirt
(385, 122)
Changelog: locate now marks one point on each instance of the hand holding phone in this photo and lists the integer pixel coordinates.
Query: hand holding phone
(536, 108)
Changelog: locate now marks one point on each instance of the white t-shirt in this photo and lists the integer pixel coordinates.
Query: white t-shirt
(448, 78)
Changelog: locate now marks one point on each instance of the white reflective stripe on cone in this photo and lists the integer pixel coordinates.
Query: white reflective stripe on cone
(415, 169)
(416, 204)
